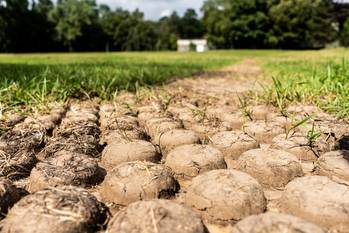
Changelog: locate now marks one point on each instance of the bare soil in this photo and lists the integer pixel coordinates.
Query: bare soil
(185, 157)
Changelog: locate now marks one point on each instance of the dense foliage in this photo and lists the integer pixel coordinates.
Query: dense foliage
(82, 25)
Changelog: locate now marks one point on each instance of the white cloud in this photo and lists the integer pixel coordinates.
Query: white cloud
(166, 12)
(155, 9)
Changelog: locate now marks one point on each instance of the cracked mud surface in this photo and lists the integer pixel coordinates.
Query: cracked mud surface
(184, 157)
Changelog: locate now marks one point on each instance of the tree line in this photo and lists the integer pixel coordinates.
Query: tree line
(83, 25)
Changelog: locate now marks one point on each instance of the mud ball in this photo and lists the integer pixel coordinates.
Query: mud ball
(275, 223)
(66, 209)
(282, 120)
(156, 216)
(186, 115)
(9, 195)
(319, 200)
(158, 126)
(117, 136)
(272, 168)
(144, 117)
(134, 181)
(177, 137)
(122, 123)
(65, 168)
(106, 108)
(71, 129)
(233, 143)
(79, 117)
(48, 121)
(16, 164)
(263, 131)
(234, 120)
(188, 161)
(138, 150)
(207, 129)
(260, 112)
(296, 144)
(224, 196)
(335, 165)
(84, 144)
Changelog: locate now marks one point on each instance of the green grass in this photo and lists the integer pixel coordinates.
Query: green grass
(35, 79)
(320, 77)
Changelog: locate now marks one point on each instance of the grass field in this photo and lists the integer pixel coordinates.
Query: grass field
(315, 76)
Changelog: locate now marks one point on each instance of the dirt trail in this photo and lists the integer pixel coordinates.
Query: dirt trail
(227, 163)
(231, 80)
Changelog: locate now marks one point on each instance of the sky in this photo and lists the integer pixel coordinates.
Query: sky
(155, 9)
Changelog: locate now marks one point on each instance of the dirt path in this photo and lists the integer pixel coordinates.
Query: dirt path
(235, 79)
(182, 158)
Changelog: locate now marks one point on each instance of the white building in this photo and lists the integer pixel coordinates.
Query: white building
(192, 45)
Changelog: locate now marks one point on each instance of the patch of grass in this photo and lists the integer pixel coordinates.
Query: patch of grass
(321, 80)
(26, 80)
(295, 125)
(38, 79)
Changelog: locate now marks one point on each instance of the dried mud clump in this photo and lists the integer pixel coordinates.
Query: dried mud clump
(275, 223)
(225, 196)
(184, 114)
(25, 135)
(207, 129)
(120, 128)
(17, 164)
(296, 144)
(117, 136)
(177, 137)
(319, 200)
(83, 145)
(78, 132)
(158, 126)
(136, 181)
(156, 216)
(272, 168)
(18, 148)
(117, 153)
(60, 210)
(123, 123)
(9, 195)
(234, 119)
(65, 168)
(146, 113)
(263, 131)
(233, 143)
(335, 165)
(260, 112)
(188, 161)
(9, 120)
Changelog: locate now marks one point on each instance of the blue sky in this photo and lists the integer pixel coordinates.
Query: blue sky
(155, 9)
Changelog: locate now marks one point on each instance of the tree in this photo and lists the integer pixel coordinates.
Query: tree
(70, 16)
(238, 24)
(41, 29)
(133, 33)
(3, 26)
(168, 32)
(344, 37)
(15, 25)
(303, 24)
(190, 27)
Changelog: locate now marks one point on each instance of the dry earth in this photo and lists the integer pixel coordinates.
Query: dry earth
(187, 157)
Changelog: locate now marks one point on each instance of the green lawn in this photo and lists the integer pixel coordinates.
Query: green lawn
(30, 79)
(319, 77)
(38, 78)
